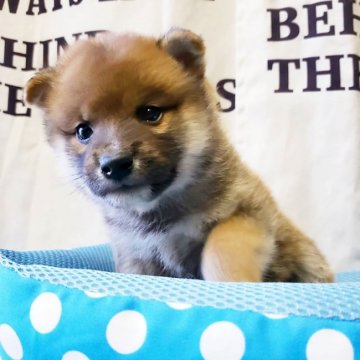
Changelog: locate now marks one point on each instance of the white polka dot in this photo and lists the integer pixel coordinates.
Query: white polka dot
(74, 355)
(330, 345)
(10, 342)
(45, 312)
(126, 332)
(222, 340)
(275, 316)
(93, 294)
(179, 306)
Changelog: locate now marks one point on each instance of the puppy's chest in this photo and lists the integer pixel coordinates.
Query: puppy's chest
(177, 245)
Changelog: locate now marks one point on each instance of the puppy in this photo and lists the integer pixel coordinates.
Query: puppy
(134, 122)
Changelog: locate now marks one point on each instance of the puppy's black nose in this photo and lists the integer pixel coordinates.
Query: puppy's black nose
(116, 168)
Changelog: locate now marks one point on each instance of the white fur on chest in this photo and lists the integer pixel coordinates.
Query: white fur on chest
(167, 247)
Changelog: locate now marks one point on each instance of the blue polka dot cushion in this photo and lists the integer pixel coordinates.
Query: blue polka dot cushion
(70, 305)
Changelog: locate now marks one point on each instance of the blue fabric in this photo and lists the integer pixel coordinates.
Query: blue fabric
(50, 312)
(94, 257)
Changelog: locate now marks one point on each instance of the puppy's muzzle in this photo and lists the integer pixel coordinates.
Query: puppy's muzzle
(116, 169)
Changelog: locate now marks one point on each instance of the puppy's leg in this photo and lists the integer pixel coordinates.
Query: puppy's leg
(296, 257)
(236, 250)
(140, 267)
(128, 263)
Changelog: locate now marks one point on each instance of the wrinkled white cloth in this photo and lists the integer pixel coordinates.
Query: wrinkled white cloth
(305, 144)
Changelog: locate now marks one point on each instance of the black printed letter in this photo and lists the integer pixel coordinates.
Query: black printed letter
(283, 72)
(349, 17)
(13, 100)
(277, 24)
(356, 65)
(40, 5)
(313, 73)
(13, 5)
(10, 53)
(228, 95)
(314, 18)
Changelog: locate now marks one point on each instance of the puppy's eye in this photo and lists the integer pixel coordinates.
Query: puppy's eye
(149, 113)
(83, 132)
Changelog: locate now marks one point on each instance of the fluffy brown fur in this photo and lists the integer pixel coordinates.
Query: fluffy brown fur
(177, 199)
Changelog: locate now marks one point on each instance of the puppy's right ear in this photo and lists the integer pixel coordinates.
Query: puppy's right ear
(38, 87)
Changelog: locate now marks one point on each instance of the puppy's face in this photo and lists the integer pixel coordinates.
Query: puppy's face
(127, 115)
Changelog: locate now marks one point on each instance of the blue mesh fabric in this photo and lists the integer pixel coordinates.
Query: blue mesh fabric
(339, 300)
(348, 277)
(93, 257)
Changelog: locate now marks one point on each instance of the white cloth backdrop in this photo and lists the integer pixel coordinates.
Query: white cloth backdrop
(305, 145)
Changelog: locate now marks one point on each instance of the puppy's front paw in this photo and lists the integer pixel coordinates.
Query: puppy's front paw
(322, 275)
(306, 271)
(139, 267)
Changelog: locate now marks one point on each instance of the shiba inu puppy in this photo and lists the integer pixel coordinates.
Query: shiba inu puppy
(134, 122)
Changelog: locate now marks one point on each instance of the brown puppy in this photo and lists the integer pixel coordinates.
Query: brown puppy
(135, 124)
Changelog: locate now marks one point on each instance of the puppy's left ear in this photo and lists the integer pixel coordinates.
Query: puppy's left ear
(187, 48)
(38, 87)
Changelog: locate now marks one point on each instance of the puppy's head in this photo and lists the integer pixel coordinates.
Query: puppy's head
(128, 115)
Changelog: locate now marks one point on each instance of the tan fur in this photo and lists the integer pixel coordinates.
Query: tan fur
(189, 207)
(225, 258)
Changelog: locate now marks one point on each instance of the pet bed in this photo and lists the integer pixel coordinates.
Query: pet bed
(70, 305)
